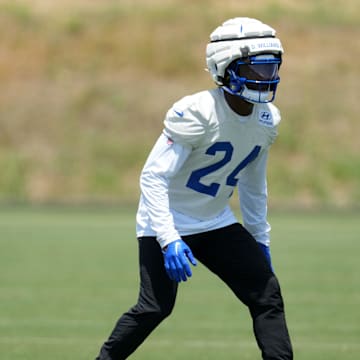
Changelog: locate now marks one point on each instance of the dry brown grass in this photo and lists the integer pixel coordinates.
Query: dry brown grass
(85, 86)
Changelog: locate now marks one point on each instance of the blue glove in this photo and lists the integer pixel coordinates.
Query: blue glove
(266, 251)
(176, 256)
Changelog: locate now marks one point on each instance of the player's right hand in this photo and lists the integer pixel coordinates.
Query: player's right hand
(176, 256)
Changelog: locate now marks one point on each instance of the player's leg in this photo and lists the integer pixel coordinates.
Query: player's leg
(156, 300)
(234, 255)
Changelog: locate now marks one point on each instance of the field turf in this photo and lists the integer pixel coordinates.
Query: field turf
(66, 275)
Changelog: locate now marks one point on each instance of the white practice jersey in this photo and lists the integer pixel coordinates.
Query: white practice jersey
(205, 151)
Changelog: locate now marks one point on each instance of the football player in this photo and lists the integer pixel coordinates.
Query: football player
(212, 142)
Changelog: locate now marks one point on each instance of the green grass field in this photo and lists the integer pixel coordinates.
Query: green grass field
(66, 275)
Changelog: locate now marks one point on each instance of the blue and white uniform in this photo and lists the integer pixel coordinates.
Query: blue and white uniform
(205, 150)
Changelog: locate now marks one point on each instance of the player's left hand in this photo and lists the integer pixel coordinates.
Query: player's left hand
(176, 256)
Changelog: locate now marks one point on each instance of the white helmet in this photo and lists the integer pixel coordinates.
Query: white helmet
(244, 39)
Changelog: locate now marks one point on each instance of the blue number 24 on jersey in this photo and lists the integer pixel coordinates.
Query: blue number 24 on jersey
(194, 181)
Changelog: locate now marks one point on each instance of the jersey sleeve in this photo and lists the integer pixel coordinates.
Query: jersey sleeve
(252, 185)
(252, 188)
(184, 123)
(164, 161)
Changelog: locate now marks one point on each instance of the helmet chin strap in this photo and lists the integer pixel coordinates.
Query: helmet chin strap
(255, 96)
(252, 96)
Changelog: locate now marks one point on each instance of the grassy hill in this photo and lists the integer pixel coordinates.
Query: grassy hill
(85, 86)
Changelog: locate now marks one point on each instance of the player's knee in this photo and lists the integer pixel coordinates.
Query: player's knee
(165, 312)
(165, 309)
(271, 294)
(268, 297)
(156, 316)
(155, 313)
